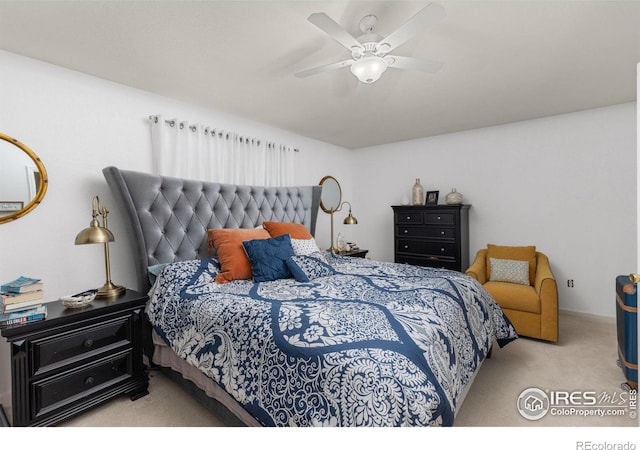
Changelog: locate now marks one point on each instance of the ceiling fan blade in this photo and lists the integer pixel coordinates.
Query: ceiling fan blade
(426, 16)
(333, 29)
(404, 62)
(319, 69)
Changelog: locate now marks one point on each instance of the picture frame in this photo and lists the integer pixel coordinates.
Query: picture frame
(432, 198)
(10, 206)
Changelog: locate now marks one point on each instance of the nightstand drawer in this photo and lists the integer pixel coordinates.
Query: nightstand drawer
(427, 232)
(68, 347)
(58, 391)
(446, 249)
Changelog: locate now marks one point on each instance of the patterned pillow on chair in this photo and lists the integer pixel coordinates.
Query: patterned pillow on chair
(509, 270)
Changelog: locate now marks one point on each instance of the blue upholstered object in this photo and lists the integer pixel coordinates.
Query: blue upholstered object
(309, 267)
(268, 256)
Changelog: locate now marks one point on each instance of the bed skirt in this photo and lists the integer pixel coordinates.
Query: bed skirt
(167, 358)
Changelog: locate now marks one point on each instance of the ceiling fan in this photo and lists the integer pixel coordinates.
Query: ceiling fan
(370, 52)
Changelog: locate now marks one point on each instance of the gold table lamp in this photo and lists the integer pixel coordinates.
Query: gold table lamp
(349, 220)
(100, 234)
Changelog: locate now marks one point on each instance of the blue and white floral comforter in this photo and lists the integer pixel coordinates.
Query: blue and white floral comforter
(378, 344)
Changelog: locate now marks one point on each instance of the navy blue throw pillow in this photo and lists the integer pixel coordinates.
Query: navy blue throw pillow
(268, 256)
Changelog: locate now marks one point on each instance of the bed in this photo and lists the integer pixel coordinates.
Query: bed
(337, 342)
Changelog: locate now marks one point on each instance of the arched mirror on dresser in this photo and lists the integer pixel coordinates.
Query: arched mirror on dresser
(23, 179)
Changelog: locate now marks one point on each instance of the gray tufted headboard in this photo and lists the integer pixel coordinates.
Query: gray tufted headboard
(169, 217)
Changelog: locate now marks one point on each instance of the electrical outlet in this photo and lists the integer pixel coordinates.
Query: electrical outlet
(570, 283)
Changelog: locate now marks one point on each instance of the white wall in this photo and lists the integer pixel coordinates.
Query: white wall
(78, 124)
(566, 184)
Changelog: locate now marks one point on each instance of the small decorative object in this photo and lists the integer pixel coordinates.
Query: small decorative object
(418, 193)
(340, 243)
(432, 198)
(79, 300)
(453, 198)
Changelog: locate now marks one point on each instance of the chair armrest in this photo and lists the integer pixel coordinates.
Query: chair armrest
(478, 269)
(547, 289)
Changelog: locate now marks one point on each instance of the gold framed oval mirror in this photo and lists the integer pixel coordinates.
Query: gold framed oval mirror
(331, 196)
(23, 179)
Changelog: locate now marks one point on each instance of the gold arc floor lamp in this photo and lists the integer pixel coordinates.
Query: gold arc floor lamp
(349, 220)
(100, 234)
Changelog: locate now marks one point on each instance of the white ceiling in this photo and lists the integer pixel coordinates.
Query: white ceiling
(505, 61)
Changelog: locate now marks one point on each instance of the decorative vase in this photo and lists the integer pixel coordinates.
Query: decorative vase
(418, 193)
(454, 197)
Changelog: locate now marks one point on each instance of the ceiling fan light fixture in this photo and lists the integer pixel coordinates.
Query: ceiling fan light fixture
(369, 68)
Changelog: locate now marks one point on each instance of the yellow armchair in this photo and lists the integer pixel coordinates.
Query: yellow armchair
(532, 308)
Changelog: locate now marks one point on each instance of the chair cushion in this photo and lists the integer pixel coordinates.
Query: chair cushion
(514, 296)
(526, 253)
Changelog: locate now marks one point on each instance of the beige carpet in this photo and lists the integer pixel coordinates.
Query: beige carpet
(583, 360)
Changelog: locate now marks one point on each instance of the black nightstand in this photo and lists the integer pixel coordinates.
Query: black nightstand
(75, 359)
(356, 253)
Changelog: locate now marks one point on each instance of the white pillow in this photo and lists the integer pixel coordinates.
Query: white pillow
(509, 270)
(304, 246)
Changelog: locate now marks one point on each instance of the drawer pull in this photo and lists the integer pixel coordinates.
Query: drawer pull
(442, 250)
(408, 217)
(89, 381)
(439, 217)
(406, 246)
(406, 231)
(88, 343)
(442, 232)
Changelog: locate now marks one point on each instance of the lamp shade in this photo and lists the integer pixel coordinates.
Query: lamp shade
(350, 220)
(94, 234)
(369, 68)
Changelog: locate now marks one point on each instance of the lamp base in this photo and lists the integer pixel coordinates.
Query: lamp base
(110, 290)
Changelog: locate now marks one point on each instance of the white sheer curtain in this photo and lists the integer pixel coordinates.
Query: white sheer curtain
(184, 150)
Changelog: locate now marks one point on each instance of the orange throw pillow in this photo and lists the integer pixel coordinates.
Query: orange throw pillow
(295, 230)
(234, 263)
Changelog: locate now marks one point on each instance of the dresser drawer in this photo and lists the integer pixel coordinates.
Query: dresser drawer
(415, 217)
(62, 349)
(433, 261)
(446, 249)
(58, 391)
(440, 218)
(426, 232)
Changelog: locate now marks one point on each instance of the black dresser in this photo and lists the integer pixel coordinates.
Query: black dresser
(433, 236)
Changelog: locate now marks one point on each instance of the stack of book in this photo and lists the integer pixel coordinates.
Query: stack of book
(21, 301)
